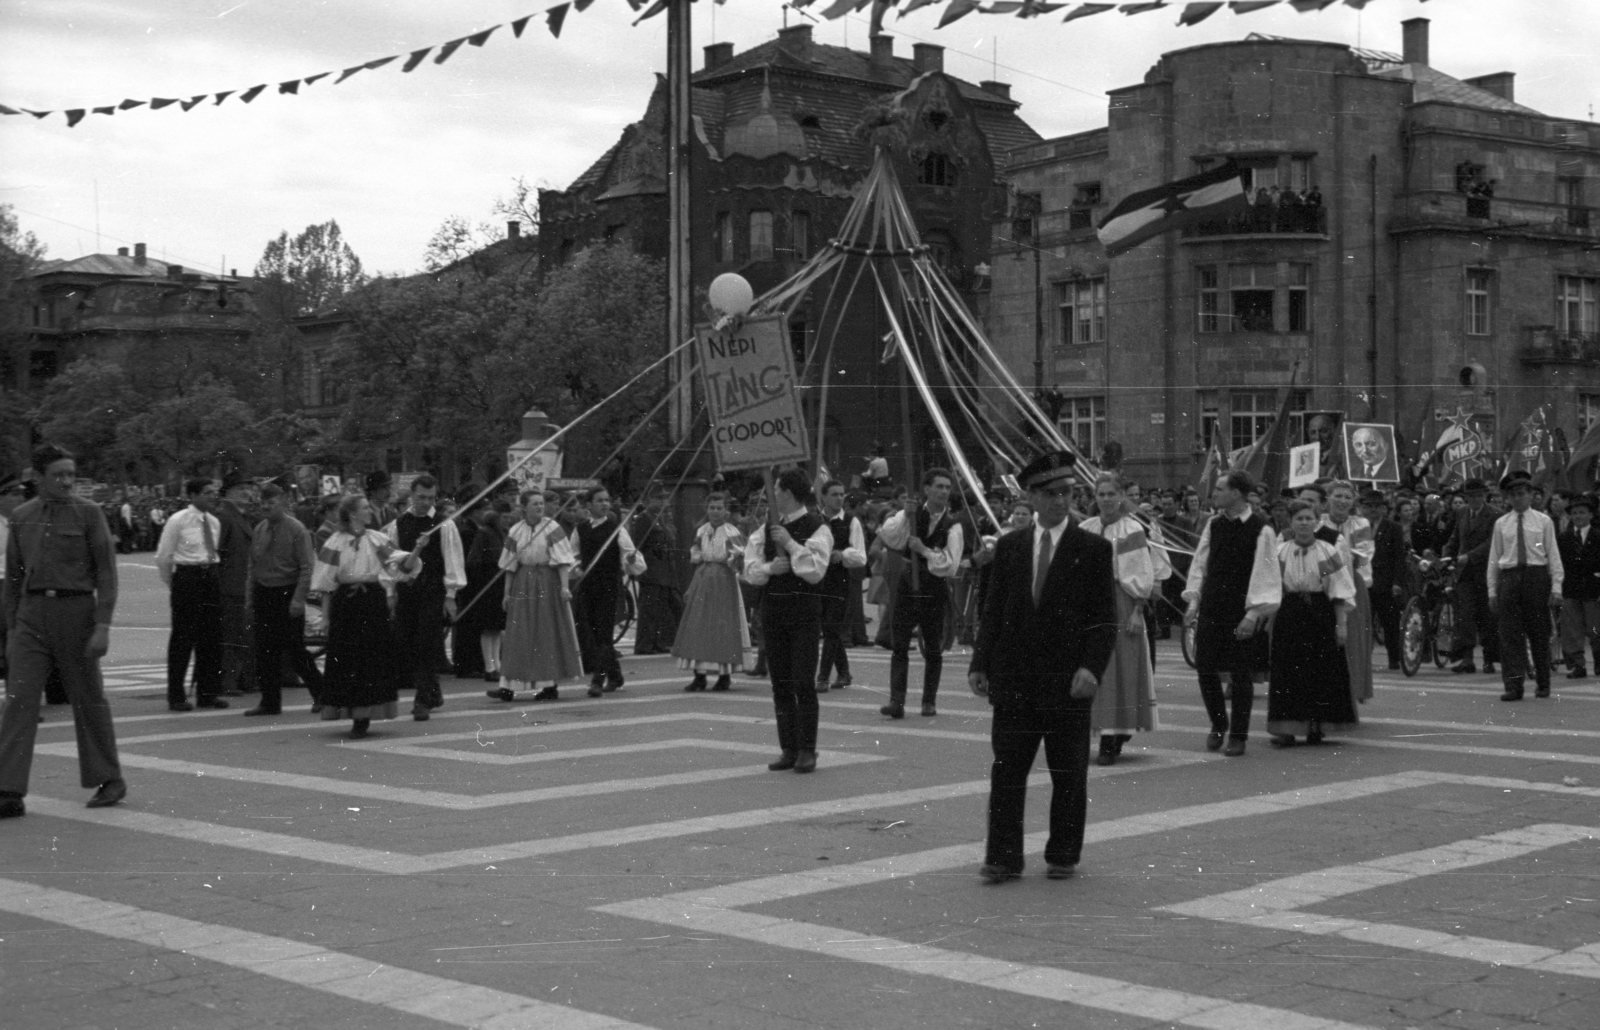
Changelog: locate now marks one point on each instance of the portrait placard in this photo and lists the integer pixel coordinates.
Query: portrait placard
(1304, 464)
(1369, 452)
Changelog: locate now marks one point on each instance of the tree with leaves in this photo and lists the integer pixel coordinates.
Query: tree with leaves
(21, 253)
(310, 273)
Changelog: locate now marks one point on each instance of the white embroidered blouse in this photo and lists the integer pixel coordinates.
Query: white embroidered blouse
(1318, 569)
(716, 543)
(1359, 540)
(545, 544)
(1135, 564)
(346, 559)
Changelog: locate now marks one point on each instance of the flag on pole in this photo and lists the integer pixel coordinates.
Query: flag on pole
(1267, 460)
(1216, 462)
(1173, 205)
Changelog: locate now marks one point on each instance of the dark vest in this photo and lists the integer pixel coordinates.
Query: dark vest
(408, 528)
(604, 567)
(836, 582)
(787, 584)
(1228, 566)
(934, 536)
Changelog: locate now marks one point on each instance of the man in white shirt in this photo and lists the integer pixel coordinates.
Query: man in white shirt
(931, 541)
(187, 559)
(426, 594)
(1525, 579)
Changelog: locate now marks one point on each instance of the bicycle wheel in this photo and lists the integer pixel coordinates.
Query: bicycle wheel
(1444, 632)
(1187, 642)
(626, 610)
(1413, 637)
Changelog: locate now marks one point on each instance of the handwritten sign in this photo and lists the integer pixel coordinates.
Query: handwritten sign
(748, 372)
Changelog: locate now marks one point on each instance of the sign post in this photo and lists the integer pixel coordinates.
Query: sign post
(756, 417)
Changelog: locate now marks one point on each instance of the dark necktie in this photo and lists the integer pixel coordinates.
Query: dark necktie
(208, 538)
(1522, 543)
(1043, 568)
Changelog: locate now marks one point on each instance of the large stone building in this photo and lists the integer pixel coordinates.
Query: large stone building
(1446, 259)
(777, 158)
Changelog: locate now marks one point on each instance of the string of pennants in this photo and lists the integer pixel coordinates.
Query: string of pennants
(1191, 13)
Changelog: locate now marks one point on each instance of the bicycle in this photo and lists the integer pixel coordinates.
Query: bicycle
(1428, 622)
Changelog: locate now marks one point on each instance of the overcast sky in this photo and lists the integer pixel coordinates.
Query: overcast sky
(392, 155)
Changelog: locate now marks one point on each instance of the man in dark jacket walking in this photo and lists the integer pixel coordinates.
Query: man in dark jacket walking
(1469, 544)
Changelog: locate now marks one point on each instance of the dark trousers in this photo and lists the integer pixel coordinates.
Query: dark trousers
(238, 659)
(418, 633)
(791, 626)
(595, 612)
(1580, 622)
(921, 609)
(858, 608)
(1475, 623)
(51, 634)
(280, 639)
(197, 631)
(836, 637)
(660, 608)
(1241, 694)
(1386, 618)
(1523, 608)
(1015, 736)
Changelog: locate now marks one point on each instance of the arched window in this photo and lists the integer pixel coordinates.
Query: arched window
(936, 171)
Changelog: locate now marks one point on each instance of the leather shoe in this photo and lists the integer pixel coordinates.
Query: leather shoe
(263, 710)
(1106, 758)
(548, 694)
(805, 761)
(724, 682)
(491, 677)
(928, 709)
(503, 694)
(596, 690)
(696, 684)
(1542, 692)
(822, 686)
(784, 761)
(613, 683)
(419, 715)
(1235, 748)
(1489, 669)
(180, 706)
(1214, 740)
(11, 808)
(893, 710)
(1281, 740)
(211, 702)
(1055, 871)
(1463, 667)
(992, 873)
(1512, 694)
(110, 792)
(1578, 674)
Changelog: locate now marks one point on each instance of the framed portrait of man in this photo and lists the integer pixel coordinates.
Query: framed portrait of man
(1370, 454)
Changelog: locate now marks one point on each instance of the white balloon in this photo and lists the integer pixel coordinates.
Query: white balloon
(730, 293)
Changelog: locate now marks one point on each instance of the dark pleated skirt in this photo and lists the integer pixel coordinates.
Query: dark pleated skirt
(1310, 678)
(361, 679)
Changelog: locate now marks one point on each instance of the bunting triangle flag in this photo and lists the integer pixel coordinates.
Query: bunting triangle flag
(251, 93)
(128, 105)
(8, 110)
(520, 24)
(1246, 6)
(291, 87)
(480, 38)
(913, 5)
(1141, 8)
(189, 104)
(74, 116)
(106, 110)
(838, 9)
(157, 103)
(380, 62)
(347, 73)
(416, 58)
(38, 114)
(1194, 14)
(957, 9)
(581, 5)
(309, 79)
(654, 9)
(1311, 5)
(448, 49)
(555, 18)
(1084, 10)
(225, 94)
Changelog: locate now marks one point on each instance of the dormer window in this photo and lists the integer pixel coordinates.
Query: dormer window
(936, 171)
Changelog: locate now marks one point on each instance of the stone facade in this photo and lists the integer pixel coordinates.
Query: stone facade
(1437, 197)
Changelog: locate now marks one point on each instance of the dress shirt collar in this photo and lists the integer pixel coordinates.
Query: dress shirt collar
(1055, 533)
(792, 516)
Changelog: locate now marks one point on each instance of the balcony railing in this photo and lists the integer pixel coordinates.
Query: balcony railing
(1268, 219)
(1447, 209)
(1547, 345)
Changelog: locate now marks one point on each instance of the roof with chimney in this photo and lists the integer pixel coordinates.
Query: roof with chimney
(119, 266)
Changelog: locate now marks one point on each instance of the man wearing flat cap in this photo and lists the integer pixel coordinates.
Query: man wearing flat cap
(1046, 635)
(1469, 544)
(1525, 581)
(1579, 545)
(233, 575)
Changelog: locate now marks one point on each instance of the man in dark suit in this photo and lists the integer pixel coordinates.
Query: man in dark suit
(233, 573)
(1580, 588)
(1048, 628)
(1388, 572)
(1474, 529)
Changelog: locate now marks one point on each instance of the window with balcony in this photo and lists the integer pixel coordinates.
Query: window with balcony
(1080, 312)
(761, 236)
(1576, 300)
(1083, 420)
(1478, 321)
(1281, 197)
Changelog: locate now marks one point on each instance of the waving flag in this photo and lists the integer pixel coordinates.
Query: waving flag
(1174, 205)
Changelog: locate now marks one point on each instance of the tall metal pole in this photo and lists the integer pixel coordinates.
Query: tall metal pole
(680, 297)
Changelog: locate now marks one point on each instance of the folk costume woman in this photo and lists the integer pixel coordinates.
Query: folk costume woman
(1126, 700)
(1309, 690)
(1358, 538)
(540, 640)
(713, 634)
(353, 570)
(485, 620)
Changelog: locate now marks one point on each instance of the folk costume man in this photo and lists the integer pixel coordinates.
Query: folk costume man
(930, 540)
(425, 595)
(60, 594)
(281, 563)
(1469, 545)
(187, 560)
(233, 575)
(660, 599)
(1045, 637)
(1579, 544)
(1525, 578)
(788, 558)
(849, 552)
(605, 550)
(1234, 586)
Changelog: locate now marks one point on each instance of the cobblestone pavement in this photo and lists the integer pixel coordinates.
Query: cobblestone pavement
(628, 861)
